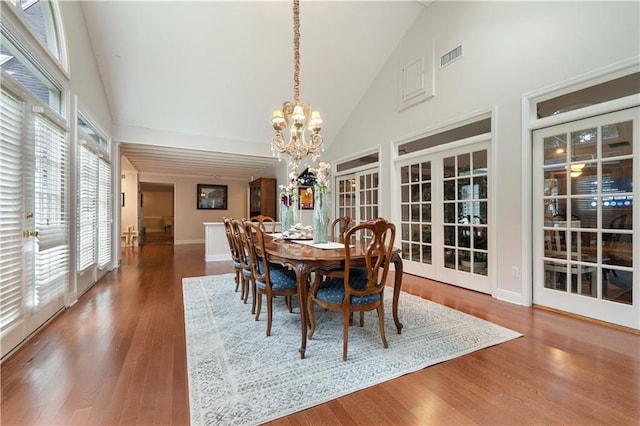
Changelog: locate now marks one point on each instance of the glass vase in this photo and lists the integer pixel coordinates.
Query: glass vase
(320, 218)
(286, 217)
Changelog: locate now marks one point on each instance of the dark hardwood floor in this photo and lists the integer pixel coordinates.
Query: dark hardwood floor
(118, 357)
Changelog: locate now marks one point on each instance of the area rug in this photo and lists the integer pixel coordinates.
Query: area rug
(239, 376)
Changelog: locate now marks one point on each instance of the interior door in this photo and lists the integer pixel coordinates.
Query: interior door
(444, 215)
(583, 222)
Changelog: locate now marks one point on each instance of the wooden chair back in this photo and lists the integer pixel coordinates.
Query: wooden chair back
(266, 223)
(339, 227)
(376, 237)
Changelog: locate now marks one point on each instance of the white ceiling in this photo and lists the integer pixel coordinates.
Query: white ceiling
(217, 69)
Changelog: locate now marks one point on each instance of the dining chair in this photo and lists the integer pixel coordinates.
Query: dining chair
(348, 294)
(339, 227)
(235, 256)
(265, 221)
(268, 281)
(237, 226)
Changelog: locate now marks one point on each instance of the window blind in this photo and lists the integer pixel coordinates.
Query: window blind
(87, 205)
(11, 296)
(51, 213)
(104, 213)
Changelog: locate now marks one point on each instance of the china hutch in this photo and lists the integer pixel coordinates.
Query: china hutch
(262, 197)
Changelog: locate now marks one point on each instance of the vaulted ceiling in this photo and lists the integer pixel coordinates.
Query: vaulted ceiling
(215, 70)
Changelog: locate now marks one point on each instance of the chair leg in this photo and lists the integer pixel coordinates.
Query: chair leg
(237, 279)
(381, 325)
(312, 317)
(361, 318)
(259, 308)
(242, 287)
(345, 334)
(245, 289)
(253, 297)
(269, 311)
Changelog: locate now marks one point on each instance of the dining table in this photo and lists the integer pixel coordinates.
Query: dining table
(304, 257)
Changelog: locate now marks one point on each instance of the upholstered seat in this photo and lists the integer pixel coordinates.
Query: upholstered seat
(268, 281)
(348, 293)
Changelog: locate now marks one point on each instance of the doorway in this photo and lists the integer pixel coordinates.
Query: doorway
(157, 212)
(584, 249)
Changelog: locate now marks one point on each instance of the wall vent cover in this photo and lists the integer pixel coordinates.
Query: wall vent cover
(451, 56)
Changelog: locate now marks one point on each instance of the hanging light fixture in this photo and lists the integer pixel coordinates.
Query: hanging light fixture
(303, 124)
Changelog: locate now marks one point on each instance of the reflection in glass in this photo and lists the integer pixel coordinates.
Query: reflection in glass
(415, 213)
(449, 258)
(404, 174)
(449, 213)
(617, 176)
(449, 167)
(426, 170)
(450, 190)
(480, 186)
(617, 285)
(464, 189)
(405, 231)
(480, 237)
(555, 276)
(464, 236)
(405, 212)
(450, 235)
(415, 252)
(584, 144)
(426, 254)
(426, 233)
(426, 212)
(480, 162)
(615, 139)
(426, 192)
(464, 164)
(404, 194)
(555, 149)
(415, 192)
(415, 173)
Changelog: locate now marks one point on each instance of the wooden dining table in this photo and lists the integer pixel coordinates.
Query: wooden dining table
(304, 259)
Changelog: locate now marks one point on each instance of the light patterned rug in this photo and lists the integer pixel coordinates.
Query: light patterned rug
(239, 376)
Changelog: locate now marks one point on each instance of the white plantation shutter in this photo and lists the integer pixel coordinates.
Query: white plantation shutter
(51, 213)
(87, 203)
(104, 213)
(11, 292)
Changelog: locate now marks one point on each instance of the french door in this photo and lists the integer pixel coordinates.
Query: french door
(584, 243)
(34, 222)
(444, 215)
(357, 195)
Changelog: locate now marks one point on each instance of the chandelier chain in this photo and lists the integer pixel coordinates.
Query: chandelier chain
(296, 50)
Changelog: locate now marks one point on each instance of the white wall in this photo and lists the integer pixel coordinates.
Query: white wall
(510, 48)
(86, 82)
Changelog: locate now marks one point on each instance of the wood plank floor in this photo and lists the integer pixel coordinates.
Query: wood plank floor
(118, 357)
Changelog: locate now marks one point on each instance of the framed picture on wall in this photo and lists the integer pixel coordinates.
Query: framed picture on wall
(305, 195)
(212, 197)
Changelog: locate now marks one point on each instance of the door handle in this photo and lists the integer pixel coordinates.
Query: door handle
(27, 234)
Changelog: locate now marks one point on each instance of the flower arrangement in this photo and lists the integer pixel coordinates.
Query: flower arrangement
(289, 192)
(323, 184)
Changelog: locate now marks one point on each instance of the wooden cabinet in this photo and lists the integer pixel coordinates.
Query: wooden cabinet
(262, 197)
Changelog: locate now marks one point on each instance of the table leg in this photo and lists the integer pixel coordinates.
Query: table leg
(397, 262)
(302, 277)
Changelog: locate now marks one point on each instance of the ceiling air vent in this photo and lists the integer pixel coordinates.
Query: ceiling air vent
(450, 56)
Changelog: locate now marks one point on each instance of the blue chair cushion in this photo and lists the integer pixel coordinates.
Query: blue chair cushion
(332, 291)
(281, 279)
(236, 264)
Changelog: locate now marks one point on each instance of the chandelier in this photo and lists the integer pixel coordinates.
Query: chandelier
(303, 124)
